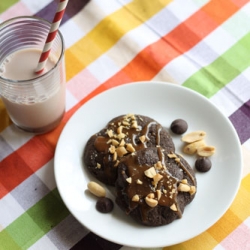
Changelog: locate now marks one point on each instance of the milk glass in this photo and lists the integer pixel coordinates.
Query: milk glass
(35, 103)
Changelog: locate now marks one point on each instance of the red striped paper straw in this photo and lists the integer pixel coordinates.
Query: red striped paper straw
(52, 34)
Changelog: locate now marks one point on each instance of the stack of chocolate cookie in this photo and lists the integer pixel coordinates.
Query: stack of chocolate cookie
(136, 154)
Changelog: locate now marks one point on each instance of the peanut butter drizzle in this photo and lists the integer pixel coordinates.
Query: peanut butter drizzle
(145, 132)
(132, 135)
(167, 185)
(101, 144)
(188, 173)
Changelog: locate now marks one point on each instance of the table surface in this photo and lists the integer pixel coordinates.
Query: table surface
(199, 44)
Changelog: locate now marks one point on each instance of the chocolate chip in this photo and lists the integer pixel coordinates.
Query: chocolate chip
(104, 205)
(179, 126)
(203, 164)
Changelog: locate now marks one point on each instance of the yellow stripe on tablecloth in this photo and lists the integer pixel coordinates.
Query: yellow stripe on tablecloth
(246, 160)
(4, 118)
(241, 203)
(225, 226)
(205, 240)
(108, 32)
(175, 247)
(246, 183)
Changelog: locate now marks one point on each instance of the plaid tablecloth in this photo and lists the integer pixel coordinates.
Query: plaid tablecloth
(200, 44)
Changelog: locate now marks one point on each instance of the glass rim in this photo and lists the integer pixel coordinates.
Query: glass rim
(8, 22)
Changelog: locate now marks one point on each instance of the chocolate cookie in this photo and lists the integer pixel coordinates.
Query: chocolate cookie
(122, 136)
(154, 186)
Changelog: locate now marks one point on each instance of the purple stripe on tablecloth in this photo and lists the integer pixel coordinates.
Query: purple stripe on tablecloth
(94, 242)
(241, 121)
(73, 7)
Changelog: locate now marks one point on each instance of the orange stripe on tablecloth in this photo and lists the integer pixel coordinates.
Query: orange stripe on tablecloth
(220, 15)
(22, 163)
(153, 58)
(3, 191)
(143, 67)
(31, 152)
(13, 170)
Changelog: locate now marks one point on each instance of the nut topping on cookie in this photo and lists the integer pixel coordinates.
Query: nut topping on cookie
(183, 187)
(173, 207)
(129, 180)
(121, 151)
(139, 182)
(150, 173)
(158, 165)
(151, 202)
(136, 198)
(130, 148)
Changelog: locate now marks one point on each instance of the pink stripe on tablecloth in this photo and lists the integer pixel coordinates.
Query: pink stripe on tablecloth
(82, 84)
(238, 239)
(18, 9)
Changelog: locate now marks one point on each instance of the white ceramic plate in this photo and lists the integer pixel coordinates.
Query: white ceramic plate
(164, 102)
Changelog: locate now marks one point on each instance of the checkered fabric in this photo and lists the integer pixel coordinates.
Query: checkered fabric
(200, 44)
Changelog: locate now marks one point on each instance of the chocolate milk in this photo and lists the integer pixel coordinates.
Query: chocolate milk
(22, 64)
(39, 106)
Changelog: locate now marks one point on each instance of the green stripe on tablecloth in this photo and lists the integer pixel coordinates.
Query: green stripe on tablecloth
(7, 242)
(223, 70)
(4, 5)
(35, 222)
